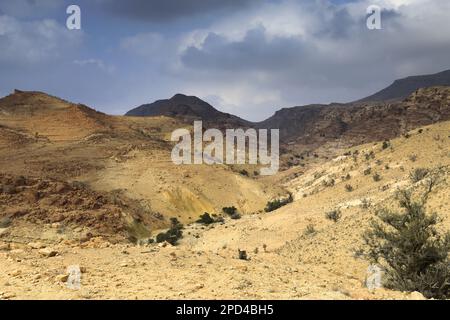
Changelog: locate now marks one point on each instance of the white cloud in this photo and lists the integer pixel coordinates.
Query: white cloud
(34, 41)
(299, 52)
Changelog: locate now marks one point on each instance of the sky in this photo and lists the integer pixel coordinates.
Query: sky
(245, 57)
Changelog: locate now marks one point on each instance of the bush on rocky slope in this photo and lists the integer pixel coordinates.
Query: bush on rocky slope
(173, 234)
(278, 203)
(413, 253)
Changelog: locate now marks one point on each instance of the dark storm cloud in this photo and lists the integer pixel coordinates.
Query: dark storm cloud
(254, 52)
(169, 10)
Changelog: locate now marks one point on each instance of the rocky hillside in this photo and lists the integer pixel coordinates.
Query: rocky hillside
(361, 122)
(188, 108)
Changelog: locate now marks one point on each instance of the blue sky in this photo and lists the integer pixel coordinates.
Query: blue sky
(247, 57)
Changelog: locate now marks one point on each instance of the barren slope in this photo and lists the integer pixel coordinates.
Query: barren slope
(284, 261)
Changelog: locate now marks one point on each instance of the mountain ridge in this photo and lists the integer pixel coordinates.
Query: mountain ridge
(401, 88)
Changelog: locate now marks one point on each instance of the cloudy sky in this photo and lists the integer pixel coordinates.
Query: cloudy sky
(246, 57)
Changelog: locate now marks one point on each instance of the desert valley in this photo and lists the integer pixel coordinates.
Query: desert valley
(79, 187)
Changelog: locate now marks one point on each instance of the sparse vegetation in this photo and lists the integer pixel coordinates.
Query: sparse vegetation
(334, 215)
(244, 172)
(386, 144)
(418, 174)
(367, 171)
(207, 219)
(349, 188)
(347, 177)
(365, 203)
(232, 212)
(173, 234)
(408, 246)
(370, 155)
(310, 230)
(278, 203)
(328, 183)
(412, 157)
(376, 177)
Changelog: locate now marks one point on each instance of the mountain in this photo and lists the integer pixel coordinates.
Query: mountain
(188, 108)
(361, 122)
(32, 114)
(402, 88)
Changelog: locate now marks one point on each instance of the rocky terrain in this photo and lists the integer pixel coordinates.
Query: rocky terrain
(189, 109)
(78, 187)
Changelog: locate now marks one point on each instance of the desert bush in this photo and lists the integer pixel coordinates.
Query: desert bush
(328, 183)
(386, 144)
(365, 203)
(334, 215)
(418, 174)
(278, 203)
(232, 212)
(376, 177)
(413, 254)
(244, 172)
(349, 187)
(206, 219)
(310, 229)
(412, 157)
(370, 155)
(229, 210)
(367, 171)
(173, 234)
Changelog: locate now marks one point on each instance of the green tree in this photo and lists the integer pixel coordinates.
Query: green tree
(413, 253)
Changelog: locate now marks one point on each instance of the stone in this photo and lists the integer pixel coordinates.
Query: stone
(3, 231)
(36, 245)
(48, 252)
(62, 277)
(16, 273)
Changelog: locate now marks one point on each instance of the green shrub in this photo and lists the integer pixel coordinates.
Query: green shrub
(349, 187)
(229, 210)
(206, 219)
(232, 212)
(413, 254)
(278, 203)
(173, 234)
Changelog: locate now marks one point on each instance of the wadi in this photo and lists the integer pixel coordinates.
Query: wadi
(239, 145)
(83, 190)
